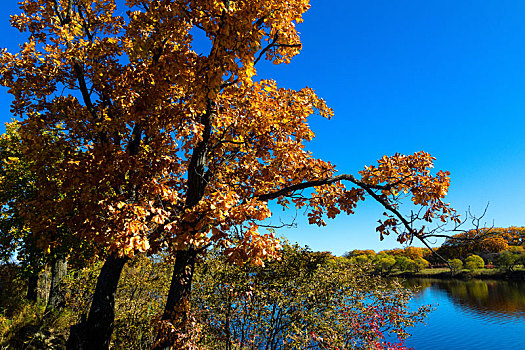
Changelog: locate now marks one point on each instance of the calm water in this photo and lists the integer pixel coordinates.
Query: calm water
(470, 315)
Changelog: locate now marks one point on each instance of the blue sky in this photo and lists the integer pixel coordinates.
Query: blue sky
(443, 76)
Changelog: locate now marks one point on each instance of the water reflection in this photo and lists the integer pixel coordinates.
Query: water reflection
(482, 298)
(476, 314)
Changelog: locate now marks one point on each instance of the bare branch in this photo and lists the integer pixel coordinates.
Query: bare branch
(369, 188)
(268, 47)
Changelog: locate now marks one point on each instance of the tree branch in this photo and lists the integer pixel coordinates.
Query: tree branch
(314, 183)
(365, 186)
(79, 72)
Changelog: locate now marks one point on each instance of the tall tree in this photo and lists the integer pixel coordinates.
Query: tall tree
(17, 185)
(174, 149)
(20, 188)
(487, 240)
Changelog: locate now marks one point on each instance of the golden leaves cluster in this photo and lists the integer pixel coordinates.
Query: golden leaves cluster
(139, 110)
(389, 182)
(129, 93)
(410, 175)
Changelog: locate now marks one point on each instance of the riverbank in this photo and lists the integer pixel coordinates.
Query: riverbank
(444, 273)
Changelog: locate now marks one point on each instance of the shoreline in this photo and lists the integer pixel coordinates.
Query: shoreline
(465, 275)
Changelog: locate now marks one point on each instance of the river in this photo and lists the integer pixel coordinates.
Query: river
(474, 314)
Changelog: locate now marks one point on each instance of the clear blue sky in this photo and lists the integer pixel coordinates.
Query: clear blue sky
(443, 76)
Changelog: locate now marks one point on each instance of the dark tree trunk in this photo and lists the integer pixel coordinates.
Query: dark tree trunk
(37, 284)
(177, 307)
(32, 287)
(95, 332)
(56, 295)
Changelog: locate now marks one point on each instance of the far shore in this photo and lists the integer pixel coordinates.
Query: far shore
(444, 273)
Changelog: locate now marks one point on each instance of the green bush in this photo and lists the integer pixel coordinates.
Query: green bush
(507, 260)
(419, 264)
(303, 301)
(455, 265)
(360, 259)
(384, 263)
(403, 263)
(474, 262)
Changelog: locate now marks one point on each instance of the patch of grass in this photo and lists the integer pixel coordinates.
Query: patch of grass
(13, 328)
(518, 274)
(30, 328)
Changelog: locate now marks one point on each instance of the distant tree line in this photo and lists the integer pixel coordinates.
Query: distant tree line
(409, 259)
(502, 248)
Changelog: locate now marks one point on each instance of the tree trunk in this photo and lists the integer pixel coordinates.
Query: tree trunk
(58, 272)
(173, 330)
(32, 287)
(176, 311)
(95, 332)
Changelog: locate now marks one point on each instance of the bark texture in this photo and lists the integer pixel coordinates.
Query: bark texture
(32, 287)
(95, 332)
(58, 272)
(177, 309)
(173, 328)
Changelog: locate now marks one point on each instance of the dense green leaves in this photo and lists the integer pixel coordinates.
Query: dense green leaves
(474, 262)
(455, 264)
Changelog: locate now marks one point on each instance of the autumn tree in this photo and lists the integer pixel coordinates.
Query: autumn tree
(356, 252)
(171, 149)
(483, 241)
(513, 236)
(414, 252)
(21, 185)
(17, 184)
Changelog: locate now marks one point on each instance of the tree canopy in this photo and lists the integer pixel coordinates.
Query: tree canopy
(162, 147)
(482, 241)
(172, 147)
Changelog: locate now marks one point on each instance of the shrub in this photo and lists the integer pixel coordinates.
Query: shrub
(455, 265)
(474, 262)
(361, 259)
(419, 264)
(403, 263)
(302, 301)
(507, 260)
(384, 263)
(141, 293)
(305, 300)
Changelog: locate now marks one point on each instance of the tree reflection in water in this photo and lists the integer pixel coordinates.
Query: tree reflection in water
(485, 298)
